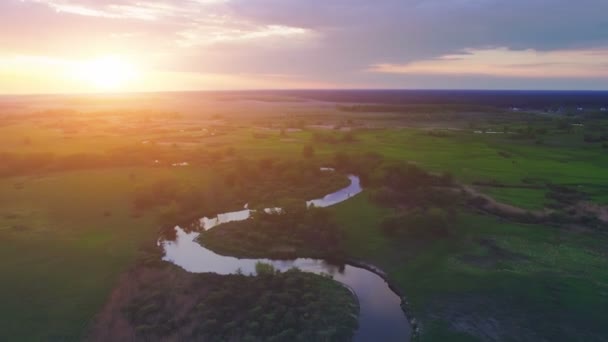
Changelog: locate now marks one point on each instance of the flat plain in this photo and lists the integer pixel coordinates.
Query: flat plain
(75, 172)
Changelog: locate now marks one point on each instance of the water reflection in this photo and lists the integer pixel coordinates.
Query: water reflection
(241, 215)
(380, 318)
(334, 198)
(339, 196)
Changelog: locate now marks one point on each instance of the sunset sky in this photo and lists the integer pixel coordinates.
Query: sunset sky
(51, 46)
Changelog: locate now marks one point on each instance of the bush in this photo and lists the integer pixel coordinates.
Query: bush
(308, 151)
(342, 160)
(263, 269)
(348, 137)
(294, 231)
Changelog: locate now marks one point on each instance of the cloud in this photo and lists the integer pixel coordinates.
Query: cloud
(205, 35)
(325, 40)
(508, 63)
(141, 10)
(354, 34)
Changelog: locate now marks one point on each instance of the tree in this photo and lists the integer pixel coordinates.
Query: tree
(342, 159)
(348, 137)
(308, 151)
(169, 214)
(264, 269)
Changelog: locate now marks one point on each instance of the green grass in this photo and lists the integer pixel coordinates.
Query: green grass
(362, 219)
(562, 158)
(478, 157)
(61, 254)
(534, 199)
(461, 288)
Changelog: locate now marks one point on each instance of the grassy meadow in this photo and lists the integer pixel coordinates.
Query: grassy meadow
(69, 180)
(492, 280)
(67, 236)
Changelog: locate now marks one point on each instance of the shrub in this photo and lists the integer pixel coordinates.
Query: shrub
(308, 151)
(263, 269)
(348, 137)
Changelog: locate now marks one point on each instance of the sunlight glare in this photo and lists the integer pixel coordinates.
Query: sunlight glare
(107, 73)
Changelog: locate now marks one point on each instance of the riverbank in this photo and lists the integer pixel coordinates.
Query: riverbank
(159, 301)
(381, 312)
(405, 305)
(339, 261)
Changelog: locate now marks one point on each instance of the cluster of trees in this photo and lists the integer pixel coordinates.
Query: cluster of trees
(438, 133)
(421, 110)
(426, 203)
(41, 162)
(272, 306)
(529, 133)
(13, 164)
(536, 131)
(377, 172)
(178, 202)
(419, 196)
(594, 138)
(267, 181)
(398, 183)
(404, 176)
(564, 125)
(263, 182)
(294, 231)
(308, 151)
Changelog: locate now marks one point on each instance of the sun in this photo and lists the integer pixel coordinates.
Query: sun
(107, 73)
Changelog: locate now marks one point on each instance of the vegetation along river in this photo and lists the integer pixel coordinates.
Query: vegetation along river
(381, 317)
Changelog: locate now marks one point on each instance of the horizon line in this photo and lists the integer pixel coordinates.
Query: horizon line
(126, 93)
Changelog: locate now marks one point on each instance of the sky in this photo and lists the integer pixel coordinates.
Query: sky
(57, 46)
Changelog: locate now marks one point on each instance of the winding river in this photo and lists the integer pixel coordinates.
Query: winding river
(380, 317)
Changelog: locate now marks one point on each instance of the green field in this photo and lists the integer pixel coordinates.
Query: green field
(493, 280)
(533, 199)
(68, 183)
(66, 238)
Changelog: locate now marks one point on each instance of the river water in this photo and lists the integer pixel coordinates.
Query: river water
(380, 317)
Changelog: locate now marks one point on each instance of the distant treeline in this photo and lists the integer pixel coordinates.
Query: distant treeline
(26, 163)
(494, 98)
(41, 162)
(416, 108)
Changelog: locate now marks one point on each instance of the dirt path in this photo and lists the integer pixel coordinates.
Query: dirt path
(493, 205)
(599, 211)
